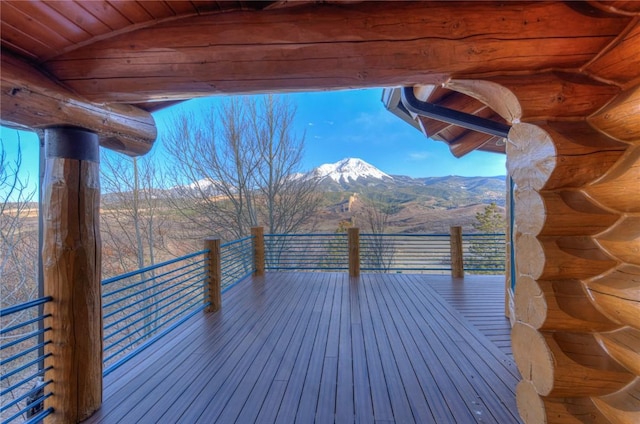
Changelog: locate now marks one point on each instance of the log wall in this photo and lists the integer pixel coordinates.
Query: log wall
(576, 336)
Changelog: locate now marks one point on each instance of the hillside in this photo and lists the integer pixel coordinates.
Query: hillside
(430, 204)
(417, 205)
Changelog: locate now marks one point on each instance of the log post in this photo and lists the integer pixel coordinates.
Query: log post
(213, 272)
(71, 256)
(457, 260)
(258, 251)
(354, 251)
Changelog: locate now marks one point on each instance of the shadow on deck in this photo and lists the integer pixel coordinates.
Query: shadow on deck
(320, 347)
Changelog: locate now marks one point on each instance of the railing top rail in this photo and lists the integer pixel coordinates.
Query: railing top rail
(482, 234)
(402, 235)
(232, 242)
(307, 235)
(23, 306)
(151, 267)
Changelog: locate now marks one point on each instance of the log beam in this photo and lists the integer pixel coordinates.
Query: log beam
(71, 256)
(333, 46)
(31, 100)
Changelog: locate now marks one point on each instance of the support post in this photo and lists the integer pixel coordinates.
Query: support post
(258, 251)
(213, 271)
(71, 256)
(457, 262)
(354, 251)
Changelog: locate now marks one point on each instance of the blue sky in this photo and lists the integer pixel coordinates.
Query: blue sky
(337, 124)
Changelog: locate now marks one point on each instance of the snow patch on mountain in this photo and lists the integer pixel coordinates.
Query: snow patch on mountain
(349, 169)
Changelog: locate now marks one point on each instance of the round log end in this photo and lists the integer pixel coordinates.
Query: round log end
(530, 257)
(533, 357)
(530, 212)
(530, 303)
(531, 156)
(530, 405)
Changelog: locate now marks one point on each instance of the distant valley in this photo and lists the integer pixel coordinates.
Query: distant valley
(430, 204)
(419, 205)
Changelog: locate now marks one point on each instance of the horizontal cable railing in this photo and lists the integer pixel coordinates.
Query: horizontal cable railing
(140, 306)
(312, 252)
(409, 253)
(23, 336)
(405, 253)
(484, 253)
(236, 261)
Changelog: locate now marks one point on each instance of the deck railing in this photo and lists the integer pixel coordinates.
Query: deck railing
(23, 337)
(484, 253)
(236, 261)
(306, 252)
(142, 305)
(405, 252)
(415, 253)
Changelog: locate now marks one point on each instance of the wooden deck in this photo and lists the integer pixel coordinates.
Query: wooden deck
(480, 299)
(319, 347)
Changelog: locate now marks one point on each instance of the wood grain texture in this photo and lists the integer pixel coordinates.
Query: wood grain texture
(330, 46)
(617, 294)
(536, 409)
(619, 62)
(622, 345)
(577, 285)
(551, 96)
(353, 240)
(620, 119)
(468, 142)
(531, 156)
(30, 99)
(495, 96)
(213, 272)
(621, 407)
(457, 258)
(562, 364)
(574, 213)
(561, 305)
(622, 240)
(71, 264)
(582, 154)
(258, 250)
(619, 188)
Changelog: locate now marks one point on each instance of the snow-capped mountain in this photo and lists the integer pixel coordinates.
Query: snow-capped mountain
(349, 170)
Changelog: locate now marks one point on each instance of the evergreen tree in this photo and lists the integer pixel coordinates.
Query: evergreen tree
(485, 252)
(490, 220)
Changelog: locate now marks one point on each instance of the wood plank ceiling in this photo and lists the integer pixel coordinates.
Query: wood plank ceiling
(149, 54)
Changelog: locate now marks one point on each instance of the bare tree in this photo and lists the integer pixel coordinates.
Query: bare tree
(133, 226)
(236, 167)
(18, 232)
(288, 199)
(379, 250)
(18, 269)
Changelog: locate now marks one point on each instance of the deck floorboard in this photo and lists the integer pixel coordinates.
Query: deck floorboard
(325, 348)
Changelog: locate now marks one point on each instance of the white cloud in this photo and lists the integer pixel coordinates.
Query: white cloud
(419, 155)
